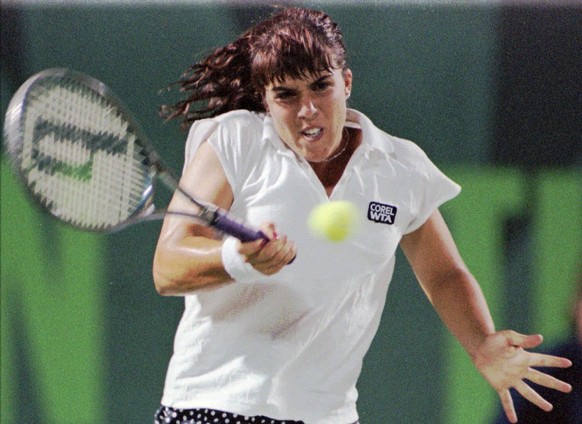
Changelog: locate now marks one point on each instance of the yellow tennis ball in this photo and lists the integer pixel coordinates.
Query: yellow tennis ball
(334, 221)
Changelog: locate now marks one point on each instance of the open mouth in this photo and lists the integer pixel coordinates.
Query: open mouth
(312, 133)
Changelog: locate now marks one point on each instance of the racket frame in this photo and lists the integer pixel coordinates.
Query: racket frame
(209, 214)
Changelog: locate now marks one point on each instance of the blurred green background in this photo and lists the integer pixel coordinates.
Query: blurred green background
(492, 92)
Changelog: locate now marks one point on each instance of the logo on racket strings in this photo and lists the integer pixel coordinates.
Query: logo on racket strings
(74, 137)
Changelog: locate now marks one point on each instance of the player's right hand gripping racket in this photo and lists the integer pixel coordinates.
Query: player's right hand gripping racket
(85, 160)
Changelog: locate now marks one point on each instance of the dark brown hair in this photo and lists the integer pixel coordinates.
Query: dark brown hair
(293, 43)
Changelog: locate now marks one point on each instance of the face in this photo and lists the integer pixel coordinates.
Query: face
(309, 114)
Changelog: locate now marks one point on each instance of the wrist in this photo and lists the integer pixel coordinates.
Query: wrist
(235, 264)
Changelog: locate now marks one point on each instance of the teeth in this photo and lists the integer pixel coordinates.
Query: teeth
(312, 131)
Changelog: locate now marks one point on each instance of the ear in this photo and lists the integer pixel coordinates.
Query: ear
(265, 104)
(348, 77)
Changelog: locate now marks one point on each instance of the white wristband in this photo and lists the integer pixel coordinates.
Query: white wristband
(235, 264)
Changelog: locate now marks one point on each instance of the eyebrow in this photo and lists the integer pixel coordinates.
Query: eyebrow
(282, 88)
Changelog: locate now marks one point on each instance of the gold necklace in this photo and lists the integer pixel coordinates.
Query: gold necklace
(338, 154)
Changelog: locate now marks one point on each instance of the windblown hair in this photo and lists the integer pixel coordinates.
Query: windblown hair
(293, 43)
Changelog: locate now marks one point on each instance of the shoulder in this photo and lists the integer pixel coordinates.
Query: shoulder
(240, 130)
(407, 151)
(237, 119)
(229, 122)
(401, 152)
(380, 140)
(231, 130)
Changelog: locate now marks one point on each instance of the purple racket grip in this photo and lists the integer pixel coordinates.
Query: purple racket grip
(237, 229)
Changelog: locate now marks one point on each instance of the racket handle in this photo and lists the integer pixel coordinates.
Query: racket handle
(236, 229)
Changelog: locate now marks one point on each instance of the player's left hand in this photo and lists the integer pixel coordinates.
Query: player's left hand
(505, 363)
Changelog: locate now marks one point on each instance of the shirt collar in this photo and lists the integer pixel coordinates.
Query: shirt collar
(270, 135)
(373, 139)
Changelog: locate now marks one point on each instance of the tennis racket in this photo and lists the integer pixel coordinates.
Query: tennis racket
(85, 160)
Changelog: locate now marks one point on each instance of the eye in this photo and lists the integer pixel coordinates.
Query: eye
(321, 85)
(286, 94)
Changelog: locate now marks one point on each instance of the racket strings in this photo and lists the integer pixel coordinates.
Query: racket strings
(81, 155)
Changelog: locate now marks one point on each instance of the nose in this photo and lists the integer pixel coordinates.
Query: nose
(308, 108)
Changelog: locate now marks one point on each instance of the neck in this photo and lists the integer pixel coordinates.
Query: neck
(344, 143)
(343, 148)
(330, 170)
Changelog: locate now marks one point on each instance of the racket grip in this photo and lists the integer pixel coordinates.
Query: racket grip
(236, 229)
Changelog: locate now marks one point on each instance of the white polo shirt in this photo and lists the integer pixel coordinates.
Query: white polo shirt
(291, 345)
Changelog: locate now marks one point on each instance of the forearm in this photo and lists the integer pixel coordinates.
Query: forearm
(194, 262)
(450, 286)
(459, 301)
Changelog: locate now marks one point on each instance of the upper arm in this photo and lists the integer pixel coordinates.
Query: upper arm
(204, 179)
(432, 253)
(188, 253)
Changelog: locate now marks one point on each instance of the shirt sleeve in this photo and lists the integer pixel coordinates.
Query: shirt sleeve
(199, 131)
(232, 137)
(435, 189)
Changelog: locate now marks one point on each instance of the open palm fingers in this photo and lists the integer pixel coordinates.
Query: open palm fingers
(530, 394)
(507, 403)
(543, 360)
(541, 379)
(533, 396)
(546, 380)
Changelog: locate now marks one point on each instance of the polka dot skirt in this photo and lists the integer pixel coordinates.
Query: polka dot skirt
(166, 415)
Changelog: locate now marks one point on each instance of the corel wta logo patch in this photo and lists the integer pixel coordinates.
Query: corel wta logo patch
(382, 213)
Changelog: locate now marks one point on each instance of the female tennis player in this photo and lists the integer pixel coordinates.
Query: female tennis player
(265, 338)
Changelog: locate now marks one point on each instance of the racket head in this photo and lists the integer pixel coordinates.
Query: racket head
(79, 153)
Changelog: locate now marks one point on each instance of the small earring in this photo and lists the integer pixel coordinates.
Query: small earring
(348, 93)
